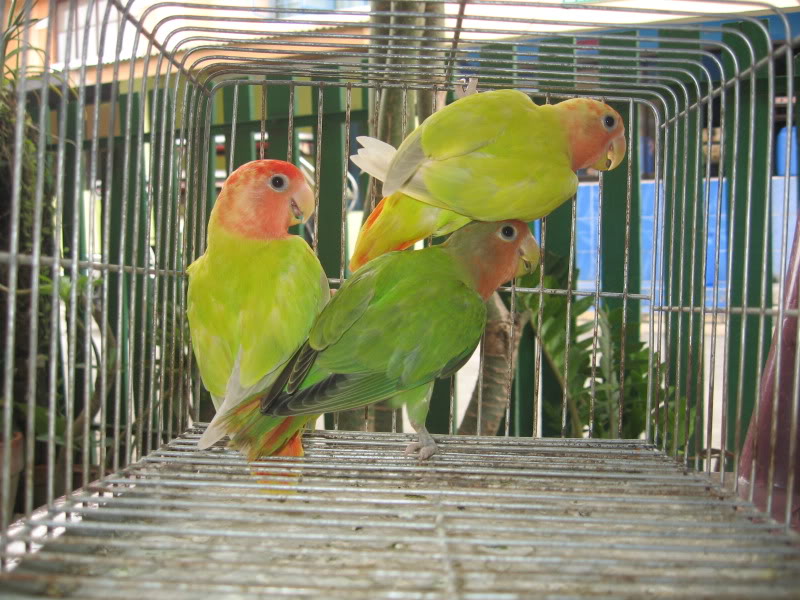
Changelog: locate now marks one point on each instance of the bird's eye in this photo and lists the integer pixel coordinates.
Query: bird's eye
(508, 233)
(609, 122)
(278, 182)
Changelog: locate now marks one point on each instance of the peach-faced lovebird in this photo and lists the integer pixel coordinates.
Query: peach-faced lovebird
(256, 291)
(486, 157)
(401, 321)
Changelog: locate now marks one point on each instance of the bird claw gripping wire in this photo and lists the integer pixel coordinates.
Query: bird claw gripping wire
(425, 447)
(466, 86)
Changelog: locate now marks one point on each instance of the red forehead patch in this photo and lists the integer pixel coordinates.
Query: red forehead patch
(263, 168)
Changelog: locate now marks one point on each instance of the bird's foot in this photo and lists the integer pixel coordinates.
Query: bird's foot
(466, 86)
(424, 448)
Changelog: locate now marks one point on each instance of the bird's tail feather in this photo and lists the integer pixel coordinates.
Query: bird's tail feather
(374, 156)
(257, 435)
(397, 222)
(387, 230)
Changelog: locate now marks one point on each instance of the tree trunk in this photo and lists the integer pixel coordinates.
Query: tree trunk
(432, 44)
(497, 376)
(391, 120)
(380, 27)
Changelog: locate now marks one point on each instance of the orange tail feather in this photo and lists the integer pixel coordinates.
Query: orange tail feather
(260, 436)
(257, 435)
(396, 223)
(293, 448)
(364, 243)
(373, 216)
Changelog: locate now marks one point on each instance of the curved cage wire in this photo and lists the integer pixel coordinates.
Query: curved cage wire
(629, 424)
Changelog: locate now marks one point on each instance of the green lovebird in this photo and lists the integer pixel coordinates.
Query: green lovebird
(485, 157)
(400, 322)
(256, 291)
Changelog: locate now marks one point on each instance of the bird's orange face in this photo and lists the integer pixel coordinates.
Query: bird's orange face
(596, 134)
(263, 198)
(497, 252)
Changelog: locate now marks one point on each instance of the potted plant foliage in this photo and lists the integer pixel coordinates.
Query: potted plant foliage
(14, 46)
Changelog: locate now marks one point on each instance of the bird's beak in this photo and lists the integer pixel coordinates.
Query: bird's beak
(302, 205)
(529, 254)
(614, 154)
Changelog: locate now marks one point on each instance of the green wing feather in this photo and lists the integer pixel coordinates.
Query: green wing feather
(382, 333)
(335, 393)
(347, 307)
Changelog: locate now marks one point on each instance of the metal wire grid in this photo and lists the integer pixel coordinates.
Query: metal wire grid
(491, 518)
(190, 65)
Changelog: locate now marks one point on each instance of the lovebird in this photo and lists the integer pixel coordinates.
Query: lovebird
(485, 157)
(255, 292)
(397, 324)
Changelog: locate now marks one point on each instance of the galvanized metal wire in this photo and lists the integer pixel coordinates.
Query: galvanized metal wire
(125, 107)
(490, 518)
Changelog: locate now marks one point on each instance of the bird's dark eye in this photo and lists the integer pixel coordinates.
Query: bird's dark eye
(609, 122)
(508, 233)
(278, 182)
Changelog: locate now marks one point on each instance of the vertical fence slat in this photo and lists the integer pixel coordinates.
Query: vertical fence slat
(244, 151)
(278, 120)
(557, 227)
(751, 152)
(328, 228)
(683, 214)
(616, 197)
(125, 304)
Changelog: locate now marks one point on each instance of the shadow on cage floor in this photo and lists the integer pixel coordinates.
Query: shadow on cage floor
(487, 518)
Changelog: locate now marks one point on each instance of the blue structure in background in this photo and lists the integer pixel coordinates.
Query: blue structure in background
(587, 202)
(781, 221)
(587, 213)
(780, 152)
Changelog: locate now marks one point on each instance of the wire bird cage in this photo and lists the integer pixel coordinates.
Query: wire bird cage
(647, 442)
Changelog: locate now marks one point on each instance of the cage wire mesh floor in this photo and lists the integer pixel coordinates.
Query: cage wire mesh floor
(355, 518)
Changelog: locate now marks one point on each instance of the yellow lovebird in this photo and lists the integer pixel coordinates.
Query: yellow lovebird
(485, 157)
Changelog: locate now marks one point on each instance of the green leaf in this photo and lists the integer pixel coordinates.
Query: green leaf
(605, 351)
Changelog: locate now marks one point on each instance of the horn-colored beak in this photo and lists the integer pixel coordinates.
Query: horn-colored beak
(614, 154)
(529, 256)
(302, 204)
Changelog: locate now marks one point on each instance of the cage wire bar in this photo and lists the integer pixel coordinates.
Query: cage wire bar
(678, 483)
